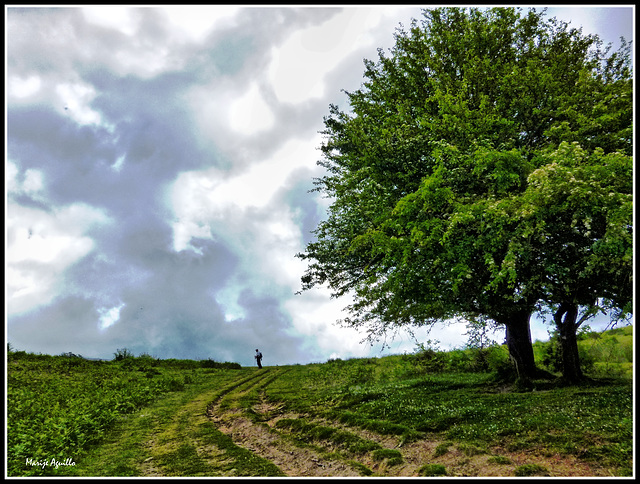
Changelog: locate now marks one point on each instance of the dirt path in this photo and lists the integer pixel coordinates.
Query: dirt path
(230, 417)
(255, 427)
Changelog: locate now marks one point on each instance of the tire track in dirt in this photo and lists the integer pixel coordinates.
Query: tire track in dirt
(231, 418)
(253, 427)
(184, 432)
(244, 414)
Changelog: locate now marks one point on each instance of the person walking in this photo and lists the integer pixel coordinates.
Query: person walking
(258, 358)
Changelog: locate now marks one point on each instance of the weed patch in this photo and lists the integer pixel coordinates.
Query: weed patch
(498, 459)
(347, 441)
(442, 449)
(432, 470)
(528, 470)
(391, 456)
(470, 449)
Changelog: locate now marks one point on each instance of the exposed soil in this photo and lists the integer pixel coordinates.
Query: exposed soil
(324, 459)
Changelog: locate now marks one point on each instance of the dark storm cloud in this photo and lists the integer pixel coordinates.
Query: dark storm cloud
(169, 308)
(75, 159)
(61, 327)
(168, 299)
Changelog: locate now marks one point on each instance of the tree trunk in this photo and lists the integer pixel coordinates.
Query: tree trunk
(518, 335)
(565, 319)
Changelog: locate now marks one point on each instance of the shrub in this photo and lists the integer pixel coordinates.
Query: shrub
(209, 363)
(122, 354)
(393, 457)
(442, 449)
(459, 360)
(428, 358)
(58, 406)
(428, 470)
(470, 449)
(174, 385)
(499, 363)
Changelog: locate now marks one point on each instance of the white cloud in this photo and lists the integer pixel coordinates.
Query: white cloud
(300, 65)
(115, 17)
(32, 181)
(11, 177)
(145, 61)
(141, 55)
(118, 164)
(227, 298)
(198, 21)
(210, 104)
(314, 315)
(266, 239)
(202, 198)
(31, 184)
(75, 100)
(109, 316)
(250, 113)
(24, 87)
(41, 245)
(277, 238)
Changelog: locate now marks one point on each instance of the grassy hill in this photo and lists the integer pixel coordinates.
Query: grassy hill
(452, 413)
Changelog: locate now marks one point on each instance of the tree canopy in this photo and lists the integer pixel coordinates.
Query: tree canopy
(483, 168)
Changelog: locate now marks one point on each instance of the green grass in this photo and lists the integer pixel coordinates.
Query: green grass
(185, 442)
(592, 421)
(432, 470)
(140, 416)
(442, 449)
(59, 406)
(527, 470)
(392, 456)
(310, 432)
(468, 408)
(498, 459)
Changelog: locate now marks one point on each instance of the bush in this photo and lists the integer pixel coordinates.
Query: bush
(429, 470)
(392, 456)
(122, 354)
(428, 358)
(499, 363)
(209, 363)
(459, 360)
(174, 385)
(470, 449)
(442, 449)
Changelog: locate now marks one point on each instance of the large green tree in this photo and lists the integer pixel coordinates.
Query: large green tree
(576, 223)
(429, 170)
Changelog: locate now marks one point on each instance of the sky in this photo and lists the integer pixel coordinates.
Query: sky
(158, 164)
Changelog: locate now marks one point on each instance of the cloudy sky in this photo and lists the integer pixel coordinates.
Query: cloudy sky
(158, 163)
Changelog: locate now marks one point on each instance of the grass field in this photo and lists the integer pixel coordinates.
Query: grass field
(430, 413)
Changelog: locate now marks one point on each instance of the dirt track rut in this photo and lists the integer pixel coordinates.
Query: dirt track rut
(255, 428)
(259, 435)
